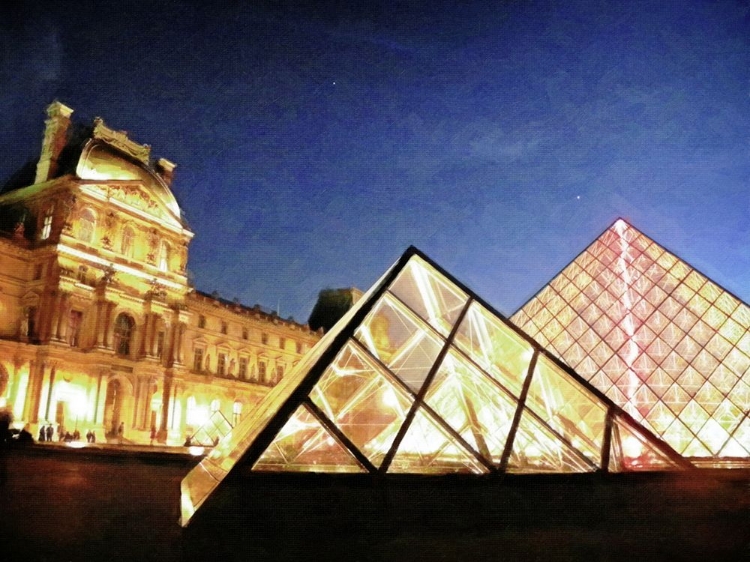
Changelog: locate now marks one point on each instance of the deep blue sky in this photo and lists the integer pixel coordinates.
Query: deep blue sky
(316, 141)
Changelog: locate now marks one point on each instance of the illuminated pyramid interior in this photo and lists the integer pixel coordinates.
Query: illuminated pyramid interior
(421, 376)
(661, 340)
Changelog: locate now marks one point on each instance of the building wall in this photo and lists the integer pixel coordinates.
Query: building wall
(98, 324)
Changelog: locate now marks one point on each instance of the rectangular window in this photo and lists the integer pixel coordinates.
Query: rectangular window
(282, 343)
(279, 372)
(245, 333)
(224, 328)
(201, 321)
(262, 371)
(222, 366)
(243, 368)
(264, 338)
(299, 347)
(82, 273)
(47, 224)
(198, 360)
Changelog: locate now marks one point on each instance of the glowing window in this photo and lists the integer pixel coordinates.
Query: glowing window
(222, 364)
(262, 371)
(86, 225)
(215, 405)
(124, 325)
(47, 223)
(198, 359)
(164, 255)
(236, 412)
(243, 368)
(126, 246)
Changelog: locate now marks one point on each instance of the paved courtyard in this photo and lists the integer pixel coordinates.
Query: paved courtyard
(64, 506)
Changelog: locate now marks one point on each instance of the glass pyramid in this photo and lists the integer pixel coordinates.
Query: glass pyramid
(662, 341)
(423, 377)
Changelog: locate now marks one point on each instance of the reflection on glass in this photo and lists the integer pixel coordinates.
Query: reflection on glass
(537, 449)
(429, 294)
(361, 400)
(400, 340)
(567, 407)
(303, 444)
(427, 448)
(631, 451)
(495, 347)
(472, 405)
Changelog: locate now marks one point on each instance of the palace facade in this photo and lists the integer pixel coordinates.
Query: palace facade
(99, 326)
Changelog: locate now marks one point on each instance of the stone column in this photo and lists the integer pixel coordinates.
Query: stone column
(60, 326)
(179, 342)
(101, 397)
(109, 308)
(99, 329)
(34, 392)
(50, 386)
(145, 349)
(165, 401)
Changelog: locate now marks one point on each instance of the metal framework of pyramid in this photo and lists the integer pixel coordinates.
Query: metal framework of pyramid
(665, 343)
(421, 376)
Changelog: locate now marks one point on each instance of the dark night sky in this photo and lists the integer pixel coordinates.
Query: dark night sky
(315, 142)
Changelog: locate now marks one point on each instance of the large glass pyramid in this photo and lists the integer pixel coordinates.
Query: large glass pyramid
(665, 343)
(422, 376)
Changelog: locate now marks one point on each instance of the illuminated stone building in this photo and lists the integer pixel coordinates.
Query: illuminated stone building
(98, 324)
(660, 339)
(421, 376)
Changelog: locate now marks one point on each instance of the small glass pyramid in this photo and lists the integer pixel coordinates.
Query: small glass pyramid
(421, 376)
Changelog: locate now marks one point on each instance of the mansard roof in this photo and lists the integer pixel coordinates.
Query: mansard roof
(422, 376)
(660, 339)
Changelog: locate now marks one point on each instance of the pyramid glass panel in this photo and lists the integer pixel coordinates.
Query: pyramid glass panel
(429, 295)
(303, 444)
(427, 448)
(473, 405)
(495, 347)
(670, 320)
(632, 451)
(420, 376)
(363, 401)
(568, 407)
(400, 340)
(536, 448)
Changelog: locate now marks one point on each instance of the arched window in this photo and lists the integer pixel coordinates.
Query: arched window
(236, 413)
(127, 242)
(164, 256)
(124, 325)
(86, 225)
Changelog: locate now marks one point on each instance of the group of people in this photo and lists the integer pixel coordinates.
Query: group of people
(47, 433)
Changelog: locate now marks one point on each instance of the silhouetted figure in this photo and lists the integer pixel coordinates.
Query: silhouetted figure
(93, 436)
(50, 430)
(153, 434)
(5, 420)
(188, 442)
(120, 432)
(88, 436)
(76, 435)
(24, 436)
(68, 437)
(42, 434)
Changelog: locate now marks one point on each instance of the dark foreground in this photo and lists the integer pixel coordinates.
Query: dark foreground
(60, 506)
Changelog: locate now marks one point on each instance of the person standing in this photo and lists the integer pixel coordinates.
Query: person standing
(153, 434)
(121, 432)
(49, 430)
